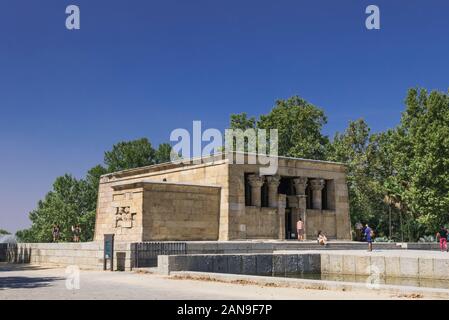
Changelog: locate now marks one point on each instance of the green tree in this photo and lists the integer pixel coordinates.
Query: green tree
(163, 153)
(3, 232)
(130, 154)
(26, 235)
(299, 126)
(241, 121)
(69, 203)
(420, 146)
(360, 151)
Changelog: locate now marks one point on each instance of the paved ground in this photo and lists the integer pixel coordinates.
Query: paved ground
(28, 282)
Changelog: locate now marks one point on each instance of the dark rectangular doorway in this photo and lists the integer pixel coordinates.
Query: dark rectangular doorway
(289, 227)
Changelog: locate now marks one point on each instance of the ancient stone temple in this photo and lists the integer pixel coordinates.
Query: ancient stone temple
(220, 200)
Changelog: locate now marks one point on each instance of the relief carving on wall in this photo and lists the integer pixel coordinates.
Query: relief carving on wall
(124, 217)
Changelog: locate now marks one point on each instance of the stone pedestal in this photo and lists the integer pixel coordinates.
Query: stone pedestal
(256, 183)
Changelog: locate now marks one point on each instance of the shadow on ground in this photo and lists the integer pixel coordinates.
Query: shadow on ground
(26, 282)
(18, 282)
(4, 267)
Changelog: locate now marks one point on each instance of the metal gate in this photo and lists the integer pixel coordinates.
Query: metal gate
(11, 253)
(145, 253)
(3, 252)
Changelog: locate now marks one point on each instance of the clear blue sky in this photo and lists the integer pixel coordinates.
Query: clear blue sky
(143, 68)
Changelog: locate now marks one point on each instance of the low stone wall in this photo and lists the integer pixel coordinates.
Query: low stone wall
(435, 246)
(387, 264)
(88, 255)
(250, 264)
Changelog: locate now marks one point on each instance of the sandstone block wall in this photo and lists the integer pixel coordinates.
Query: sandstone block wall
(324, 220)
(86, 255)
(186, 212)
(209, 174)
(261, 223)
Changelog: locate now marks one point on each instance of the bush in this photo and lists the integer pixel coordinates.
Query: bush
(382, 239)
(427, 239)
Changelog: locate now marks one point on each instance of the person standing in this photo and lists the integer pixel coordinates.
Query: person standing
(442, 235)
(300, 229)
(369, 237)
(76, 230)
(55, 232)
(358, 231)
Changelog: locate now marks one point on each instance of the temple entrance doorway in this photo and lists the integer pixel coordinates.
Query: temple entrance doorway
(286, 187)
(290, 226)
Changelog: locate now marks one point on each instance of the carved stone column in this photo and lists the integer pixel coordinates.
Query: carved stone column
(300, 185)
(282, 202)
(317, 186)
(273, 184)
(303, 213)
(256, 183)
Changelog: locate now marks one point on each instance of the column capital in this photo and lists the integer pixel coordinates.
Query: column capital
(256, 181)
(317, 184)
(300, 185)
(273, 180)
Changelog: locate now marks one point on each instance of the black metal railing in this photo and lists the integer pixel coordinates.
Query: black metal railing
(145, 253)
(3, 252)
(12, 253)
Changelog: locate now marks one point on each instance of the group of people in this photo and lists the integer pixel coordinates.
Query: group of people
(76, 232)
(321, 237)
(365, 231)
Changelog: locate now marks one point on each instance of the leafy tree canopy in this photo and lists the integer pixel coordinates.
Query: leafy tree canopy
(130, 154)
(299, 126)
